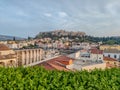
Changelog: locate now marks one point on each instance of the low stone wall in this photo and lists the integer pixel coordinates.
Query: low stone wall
(35, 63)
(94, 66)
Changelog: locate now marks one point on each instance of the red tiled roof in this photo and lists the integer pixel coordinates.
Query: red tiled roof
(62, 59)
(109, 59)
(3, 47)
(58, 66)
(64, 62)
(96, 51)
(109, 65)
(47, 66)
(58, 63)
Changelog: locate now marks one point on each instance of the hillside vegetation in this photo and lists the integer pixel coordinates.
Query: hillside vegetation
(37, 78)
(60, 33)
(81, 37)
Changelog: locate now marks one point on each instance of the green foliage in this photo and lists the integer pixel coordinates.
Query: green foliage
(30, 38)
(111, 42)
(37, 78)
(14, 39)
(86, 38)
(30, 46)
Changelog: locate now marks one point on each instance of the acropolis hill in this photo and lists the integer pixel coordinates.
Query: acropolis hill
(61, 33)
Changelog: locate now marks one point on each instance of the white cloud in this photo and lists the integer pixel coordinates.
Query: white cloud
(48, 14)
(62, 14)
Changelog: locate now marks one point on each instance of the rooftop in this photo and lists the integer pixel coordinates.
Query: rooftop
(96, 51)
(109, 59)
(58, 63)
(4, 47)
(111, 51)
(87, 62)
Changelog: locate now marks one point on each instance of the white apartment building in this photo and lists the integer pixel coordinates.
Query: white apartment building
(112, 53)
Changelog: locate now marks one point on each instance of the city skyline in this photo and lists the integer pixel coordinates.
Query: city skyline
(28, 18)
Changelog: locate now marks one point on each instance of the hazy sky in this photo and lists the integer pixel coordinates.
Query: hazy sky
(28, 17)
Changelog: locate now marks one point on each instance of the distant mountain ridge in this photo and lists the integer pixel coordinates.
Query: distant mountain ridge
(7, 37)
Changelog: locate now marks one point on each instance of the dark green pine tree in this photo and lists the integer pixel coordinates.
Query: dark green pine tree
(14, 38)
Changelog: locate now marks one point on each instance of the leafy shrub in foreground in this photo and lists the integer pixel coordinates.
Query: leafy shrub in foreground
(37, 78)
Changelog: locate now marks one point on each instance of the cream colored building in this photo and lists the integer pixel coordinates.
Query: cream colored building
(29, 56)
(88, 60)
(103, 47)
(23, 57)
(96, 56)
(7, 57)
(94, 66)
(88, 65)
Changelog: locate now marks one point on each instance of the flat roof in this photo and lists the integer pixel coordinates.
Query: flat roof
(86, 62)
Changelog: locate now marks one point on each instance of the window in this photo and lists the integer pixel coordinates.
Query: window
(119, 57)
(115, 56)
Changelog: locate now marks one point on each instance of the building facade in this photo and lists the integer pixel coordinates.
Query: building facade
(104, 47)
(111, 62)
(112, 53)
(96, 54)
(94, 66)
(29, 56)
(7, 57)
